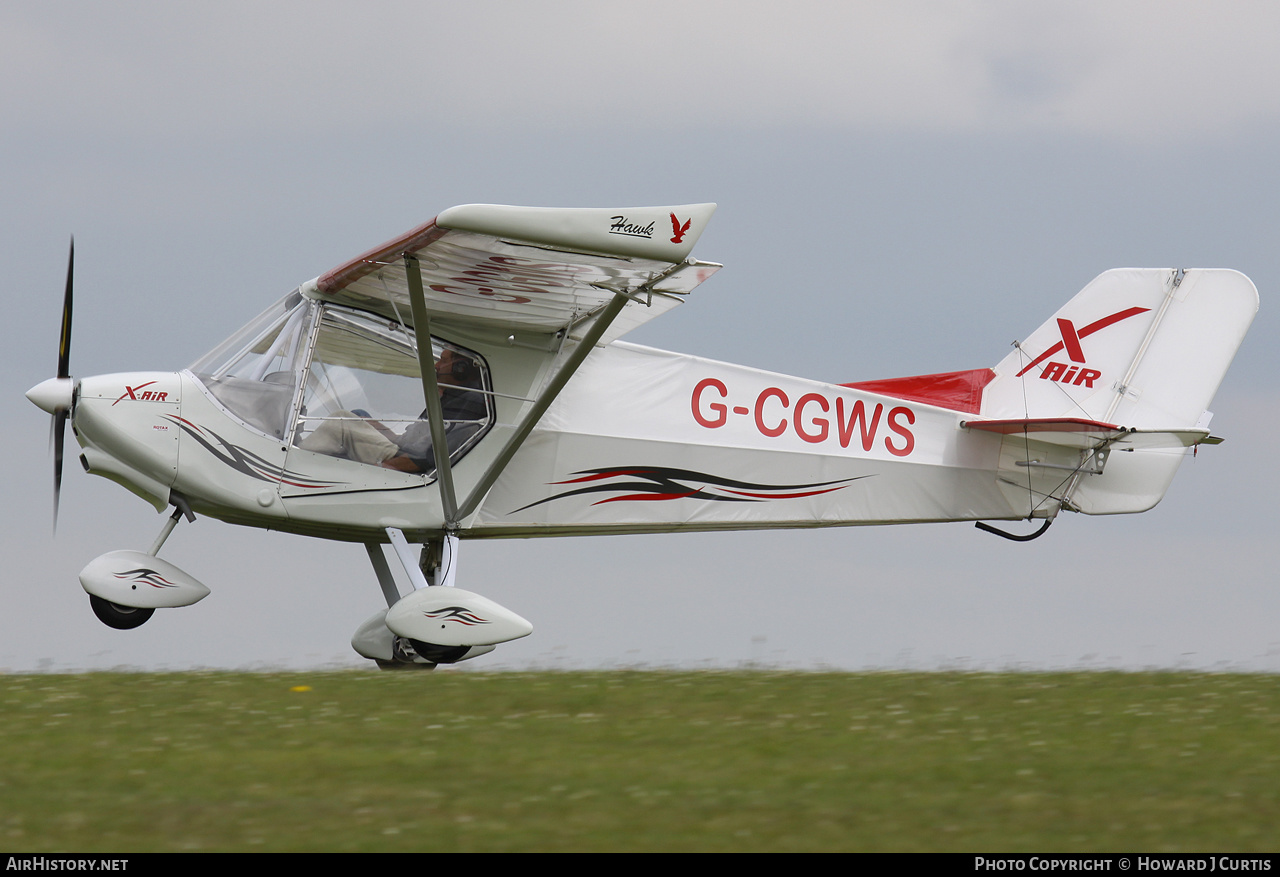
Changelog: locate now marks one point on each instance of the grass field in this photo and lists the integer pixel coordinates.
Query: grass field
(630, 760)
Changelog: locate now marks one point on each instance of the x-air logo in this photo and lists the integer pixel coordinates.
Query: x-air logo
(137, 396)
(1076, 375)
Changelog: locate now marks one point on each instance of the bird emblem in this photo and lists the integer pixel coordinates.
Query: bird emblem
(678, 229)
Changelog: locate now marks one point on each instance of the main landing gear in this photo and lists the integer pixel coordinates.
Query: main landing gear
(436, 623)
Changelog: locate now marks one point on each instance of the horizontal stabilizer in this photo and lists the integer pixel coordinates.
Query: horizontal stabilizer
(1079, 433)
(1072, 463)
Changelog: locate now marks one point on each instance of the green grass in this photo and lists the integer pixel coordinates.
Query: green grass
(458, 761)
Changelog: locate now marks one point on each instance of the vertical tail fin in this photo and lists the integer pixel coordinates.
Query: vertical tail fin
(1139, 348)
(1142, 347)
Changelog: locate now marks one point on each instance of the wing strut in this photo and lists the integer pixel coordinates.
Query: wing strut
(430, 389)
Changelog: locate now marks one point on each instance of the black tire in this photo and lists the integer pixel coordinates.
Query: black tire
(117, 616)
(439, 654)
(401, 665)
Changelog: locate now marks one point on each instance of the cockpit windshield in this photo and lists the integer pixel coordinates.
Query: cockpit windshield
(254, 372)
(346, 383)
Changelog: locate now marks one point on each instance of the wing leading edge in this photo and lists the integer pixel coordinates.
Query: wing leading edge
(531, 269)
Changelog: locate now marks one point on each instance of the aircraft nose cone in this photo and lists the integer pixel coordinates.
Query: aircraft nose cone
(53, 395)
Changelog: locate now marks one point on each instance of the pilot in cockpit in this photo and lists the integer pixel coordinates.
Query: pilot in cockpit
(357, 436)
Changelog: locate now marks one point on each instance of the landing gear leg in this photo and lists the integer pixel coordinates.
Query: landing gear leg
(429, 559)
(180, 509)
(439, 560)
(437, 564)
(379, 560)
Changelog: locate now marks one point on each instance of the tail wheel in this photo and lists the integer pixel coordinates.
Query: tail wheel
(117, 616)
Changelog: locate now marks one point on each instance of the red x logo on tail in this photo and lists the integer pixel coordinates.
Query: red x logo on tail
(1071, 338)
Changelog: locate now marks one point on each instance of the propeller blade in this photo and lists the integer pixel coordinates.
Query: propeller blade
(64, 371)
(64, 342)
(59, 436)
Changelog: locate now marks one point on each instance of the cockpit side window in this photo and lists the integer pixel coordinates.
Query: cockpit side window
(363, 395)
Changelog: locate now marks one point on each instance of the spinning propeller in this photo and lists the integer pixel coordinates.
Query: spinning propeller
(57, 395)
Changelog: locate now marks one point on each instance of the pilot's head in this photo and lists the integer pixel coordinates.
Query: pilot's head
(455, 370)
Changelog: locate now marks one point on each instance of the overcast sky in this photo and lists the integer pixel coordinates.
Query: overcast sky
(904, 188)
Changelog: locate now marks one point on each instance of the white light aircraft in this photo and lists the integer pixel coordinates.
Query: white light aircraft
(493, 332)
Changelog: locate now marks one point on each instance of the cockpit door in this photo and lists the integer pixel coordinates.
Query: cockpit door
(360, 422)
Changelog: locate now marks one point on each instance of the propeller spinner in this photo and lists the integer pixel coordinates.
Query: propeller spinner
(57, 395)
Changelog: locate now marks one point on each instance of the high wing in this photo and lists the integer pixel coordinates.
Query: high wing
(531, 269)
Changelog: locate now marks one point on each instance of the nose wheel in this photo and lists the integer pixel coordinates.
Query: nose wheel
(117, 616)
(126, 587)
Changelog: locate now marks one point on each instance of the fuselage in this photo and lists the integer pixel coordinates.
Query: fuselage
(641, 440)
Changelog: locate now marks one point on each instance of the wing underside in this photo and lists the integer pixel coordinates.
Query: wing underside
(531, 270)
